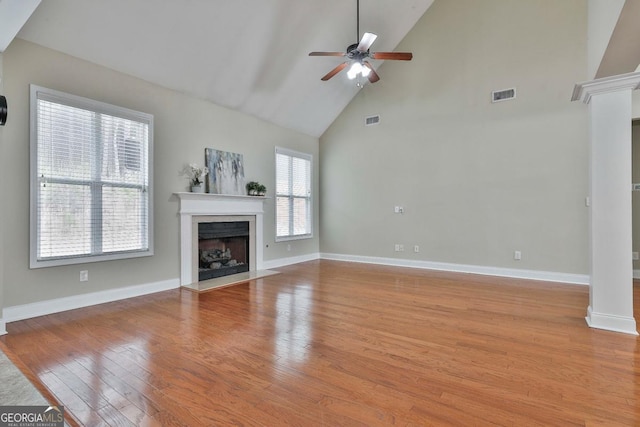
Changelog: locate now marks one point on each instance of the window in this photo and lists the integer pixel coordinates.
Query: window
(91, 189)
(293, 195)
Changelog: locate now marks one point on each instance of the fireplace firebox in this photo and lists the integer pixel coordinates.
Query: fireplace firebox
(223, 249)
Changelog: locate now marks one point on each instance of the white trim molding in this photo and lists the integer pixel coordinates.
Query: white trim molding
(576, 279)
(3, 327)
(585, 90)
(609, 322)
(42, 308)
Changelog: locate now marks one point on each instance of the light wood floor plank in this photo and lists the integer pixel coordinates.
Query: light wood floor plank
(330, 343)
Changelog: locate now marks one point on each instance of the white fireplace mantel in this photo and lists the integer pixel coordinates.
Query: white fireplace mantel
(203, 204)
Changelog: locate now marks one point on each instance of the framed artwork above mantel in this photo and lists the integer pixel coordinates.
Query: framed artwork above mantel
(226, 172)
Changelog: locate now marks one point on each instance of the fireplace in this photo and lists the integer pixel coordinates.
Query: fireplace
(223, 248)
(196, 208)
(222, 245)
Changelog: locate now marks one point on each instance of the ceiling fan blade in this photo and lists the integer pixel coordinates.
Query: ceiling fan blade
(334, 71)
(398, 56)
(327, 54)
(366, 42)
(373, 76)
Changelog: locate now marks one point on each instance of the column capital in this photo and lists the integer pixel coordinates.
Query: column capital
(585, 90)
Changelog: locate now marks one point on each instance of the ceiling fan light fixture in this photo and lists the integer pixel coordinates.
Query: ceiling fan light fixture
(355, 69)
(357, 55)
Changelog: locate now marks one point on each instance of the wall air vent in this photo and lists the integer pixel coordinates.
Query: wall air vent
(503, 95)
(371, 120)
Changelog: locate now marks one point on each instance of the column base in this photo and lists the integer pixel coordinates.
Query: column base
(610, 322)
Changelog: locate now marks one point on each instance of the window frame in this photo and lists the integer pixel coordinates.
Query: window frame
(309, 158)
(51, 95)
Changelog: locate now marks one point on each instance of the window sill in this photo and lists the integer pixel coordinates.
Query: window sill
(289, 238)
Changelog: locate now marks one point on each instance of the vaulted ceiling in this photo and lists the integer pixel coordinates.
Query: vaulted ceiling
(247, 55)
(623, 51)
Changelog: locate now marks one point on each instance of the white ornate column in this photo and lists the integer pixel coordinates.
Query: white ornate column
(610, 234)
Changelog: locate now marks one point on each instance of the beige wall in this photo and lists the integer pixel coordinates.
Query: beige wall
(477, 180)
(184, 126)
(2, 155)
(635, 174)
(635, 104)
(635, 195)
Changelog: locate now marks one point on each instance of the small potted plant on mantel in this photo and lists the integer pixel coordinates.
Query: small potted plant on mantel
(256, 189)
(195, 174)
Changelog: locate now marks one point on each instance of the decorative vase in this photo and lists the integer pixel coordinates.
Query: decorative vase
(197, 188)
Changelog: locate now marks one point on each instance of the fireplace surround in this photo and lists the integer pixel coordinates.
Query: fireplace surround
(195, 208)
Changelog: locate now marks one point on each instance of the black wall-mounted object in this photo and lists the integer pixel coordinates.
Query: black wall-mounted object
(3, 110)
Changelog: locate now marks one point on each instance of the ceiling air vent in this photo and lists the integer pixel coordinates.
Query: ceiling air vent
(371, 120)
(503, 95)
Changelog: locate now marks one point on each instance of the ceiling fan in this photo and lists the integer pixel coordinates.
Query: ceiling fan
(358, 53)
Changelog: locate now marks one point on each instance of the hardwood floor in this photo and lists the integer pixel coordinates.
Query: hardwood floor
(327, 343)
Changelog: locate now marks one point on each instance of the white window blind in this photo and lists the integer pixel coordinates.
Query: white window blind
(91, 180)
(293, 195)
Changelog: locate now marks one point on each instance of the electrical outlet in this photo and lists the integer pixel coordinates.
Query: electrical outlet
(398, 209)
(401, 248)
(84, 275)
(289, 248)
(396, 247)
(517, 255)
(416, 248)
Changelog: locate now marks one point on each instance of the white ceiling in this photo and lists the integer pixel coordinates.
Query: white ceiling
(623, 51)
(248, 55)
(13, 15)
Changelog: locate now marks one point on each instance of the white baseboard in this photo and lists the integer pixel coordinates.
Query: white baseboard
(580, 279)
(611, 322)
(281, 262)
(42, 308)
